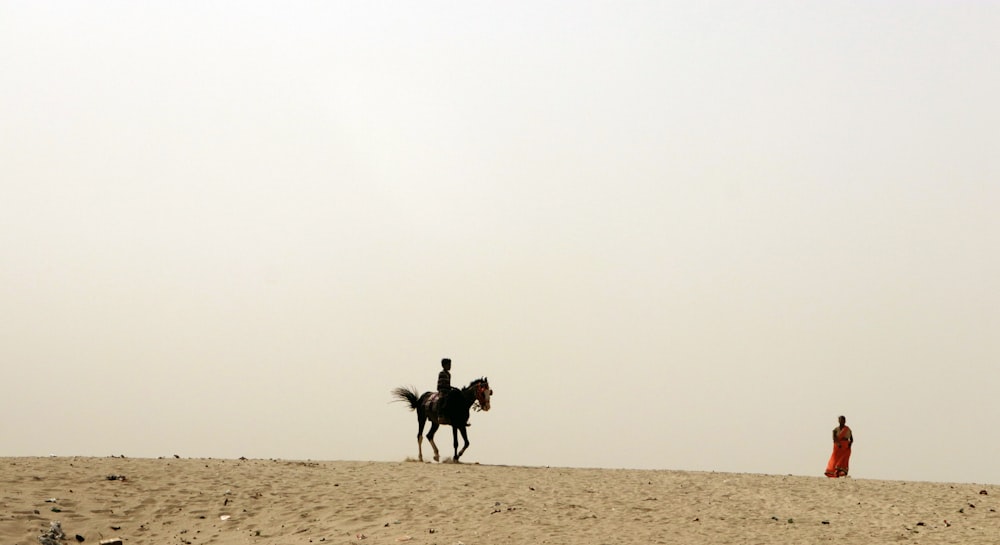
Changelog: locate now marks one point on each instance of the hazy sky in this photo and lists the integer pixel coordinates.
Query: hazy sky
(674, 235)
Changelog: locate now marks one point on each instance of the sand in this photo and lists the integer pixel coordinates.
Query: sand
(212, 501)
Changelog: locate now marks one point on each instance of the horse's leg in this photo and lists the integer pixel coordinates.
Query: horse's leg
(421, 420)
(465, 437)
(430, 437)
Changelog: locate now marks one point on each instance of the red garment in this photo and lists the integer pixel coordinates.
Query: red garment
(841, 457)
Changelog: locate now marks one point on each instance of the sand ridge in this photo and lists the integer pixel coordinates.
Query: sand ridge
(214, 501)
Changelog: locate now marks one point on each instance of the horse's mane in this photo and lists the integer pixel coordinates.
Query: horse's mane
(477, 381)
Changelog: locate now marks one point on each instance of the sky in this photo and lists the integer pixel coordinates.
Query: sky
(673, 235)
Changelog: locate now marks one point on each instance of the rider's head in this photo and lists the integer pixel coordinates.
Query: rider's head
(446, 363)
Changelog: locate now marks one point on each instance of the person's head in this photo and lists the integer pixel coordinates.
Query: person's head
(446, 363)
(842, 419)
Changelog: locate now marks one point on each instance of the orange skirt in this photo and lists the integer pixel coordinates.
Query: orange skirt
(839, 460)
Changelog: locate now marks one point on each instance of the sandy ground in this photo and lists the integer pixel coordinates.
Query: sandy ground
(211, 501)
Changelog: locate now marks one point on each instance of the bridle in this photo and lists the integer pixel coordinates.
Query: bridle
(480, 391)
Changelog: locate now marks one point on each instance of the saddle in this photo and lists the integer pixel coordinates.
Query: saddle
(437, 403)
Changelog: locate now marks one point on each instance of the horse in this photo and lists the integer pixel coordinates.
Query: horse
(451, 410)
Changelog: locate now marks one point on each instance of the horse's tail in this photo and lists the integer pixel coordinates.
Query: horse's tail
(408, 395)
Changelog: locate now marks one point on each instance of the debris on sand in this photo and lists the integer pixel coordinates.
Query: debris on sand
(54, 534)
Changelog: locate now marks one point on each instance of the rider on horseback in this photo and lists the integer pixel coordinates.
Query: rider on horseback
(444, 377)
(444, 386)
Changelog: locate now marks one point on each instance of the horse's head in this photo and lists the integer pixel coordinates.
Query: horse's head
(481, 389)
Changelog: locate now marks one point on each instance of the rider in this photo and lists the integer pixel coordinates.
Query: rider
(444, 377)
(444, 385)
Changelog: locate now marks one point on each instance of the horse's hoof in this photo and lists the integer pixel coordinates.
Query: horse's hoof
(437, 458)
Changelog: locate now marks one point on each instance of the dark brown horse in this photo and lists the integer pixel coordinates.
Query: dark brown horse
(450, 409)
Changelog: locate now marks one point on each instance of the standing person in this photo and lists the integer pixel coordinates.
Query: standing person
(840, 460)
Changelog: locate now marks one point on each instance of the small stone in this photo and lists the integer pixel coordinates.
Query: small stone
(80, 538)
